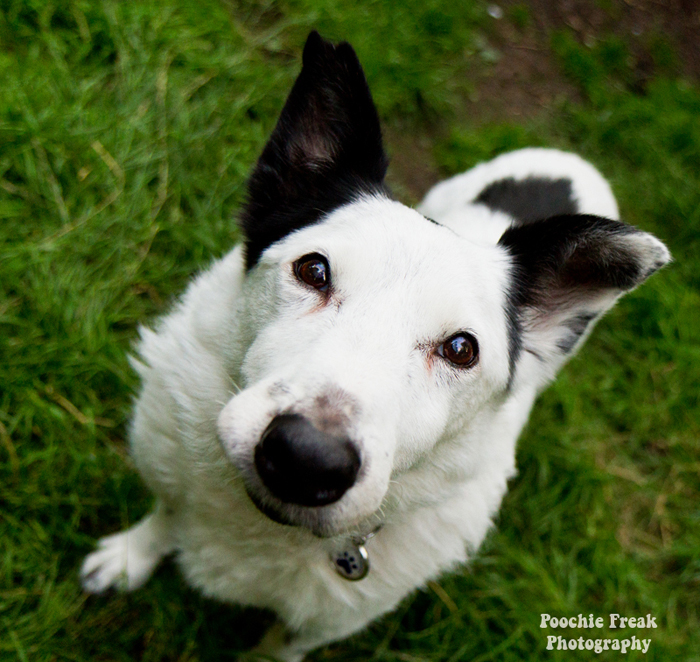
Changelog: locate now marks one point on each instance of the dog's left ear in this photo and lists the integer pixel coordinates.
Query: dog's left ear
(325, 150)
(567, 271)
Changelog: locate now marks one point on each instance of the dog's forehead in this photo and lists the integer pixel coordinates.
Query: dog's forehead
(383, 245)
(388, 260)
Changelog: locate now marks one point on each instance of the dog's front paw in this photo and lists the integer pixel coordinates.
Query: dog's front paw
(116, 563)
(276, 644)
(126, 560)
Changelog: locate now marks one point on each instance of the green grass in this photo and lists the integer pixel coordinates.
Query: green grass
(126, 133)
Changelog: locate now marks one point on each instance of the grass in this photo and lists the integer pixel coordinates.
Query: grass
(126, 134)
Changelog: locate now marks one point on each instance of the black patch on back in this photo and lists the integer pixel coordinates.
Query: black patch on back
(325, 151)
(530, 199)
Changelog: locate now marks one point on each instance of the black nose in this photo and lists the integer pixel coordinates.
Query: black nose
(300, 464)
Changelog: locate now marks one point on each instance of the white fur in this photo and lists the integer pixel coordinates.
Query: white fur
(439, 443)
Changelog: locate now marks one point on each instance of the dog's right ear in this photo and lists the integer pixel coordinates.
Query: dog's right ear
(325, 150)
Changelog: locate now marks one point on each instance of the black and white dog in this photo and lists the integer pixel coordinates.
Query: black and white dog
(339, 398)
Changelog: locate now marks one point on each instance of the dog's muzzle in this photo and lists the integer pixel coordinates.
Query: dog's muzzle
(299, 464)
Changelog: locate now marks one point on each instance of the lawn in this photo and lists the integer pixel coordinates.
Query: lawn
(127, 130)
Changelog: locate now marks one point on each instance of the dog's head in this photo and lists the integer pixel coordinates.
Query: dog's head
(377, 346)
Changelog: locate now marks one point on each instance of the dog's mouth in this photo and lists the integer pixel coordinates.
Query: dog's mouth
(315, 520)
(271, 513)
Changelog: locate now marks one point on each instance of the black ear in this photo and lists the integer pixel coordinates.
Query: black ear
(567, 271)
(325, 150)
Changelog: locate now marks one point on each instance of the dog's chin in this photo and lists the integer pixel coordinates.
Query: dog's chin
(315, 520)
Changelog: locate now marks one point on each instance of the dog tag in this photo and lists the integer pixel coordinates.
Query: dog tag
(351, 560)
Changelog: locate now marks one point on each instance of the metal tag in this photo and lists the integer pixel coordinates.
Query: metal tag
(351, 561)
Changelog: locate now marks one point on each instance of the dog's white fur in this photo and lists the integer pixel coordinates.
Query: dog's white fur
(437, 442)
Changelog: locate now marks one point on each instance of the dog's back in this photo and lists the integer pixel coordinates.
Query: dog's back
(519, 187)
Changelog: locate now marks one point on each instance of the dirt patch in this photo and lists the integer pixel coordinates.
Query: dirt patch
(412, 169)
(640, 23)
(524, 81)
(663, 36)
(521, 79)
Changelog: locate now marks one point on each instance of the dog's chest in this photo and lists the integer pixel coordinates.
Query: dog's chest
(227, 554)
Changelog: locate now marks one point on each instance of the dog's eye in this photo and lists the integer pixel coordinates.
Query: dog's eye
(313, 270)
(461, 349)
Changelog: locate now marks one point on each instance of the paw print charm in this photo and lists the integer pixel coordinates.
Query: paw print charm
(351, 561)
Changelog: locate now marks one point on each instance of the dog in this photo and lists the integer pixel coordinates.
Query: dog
(328, 417)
